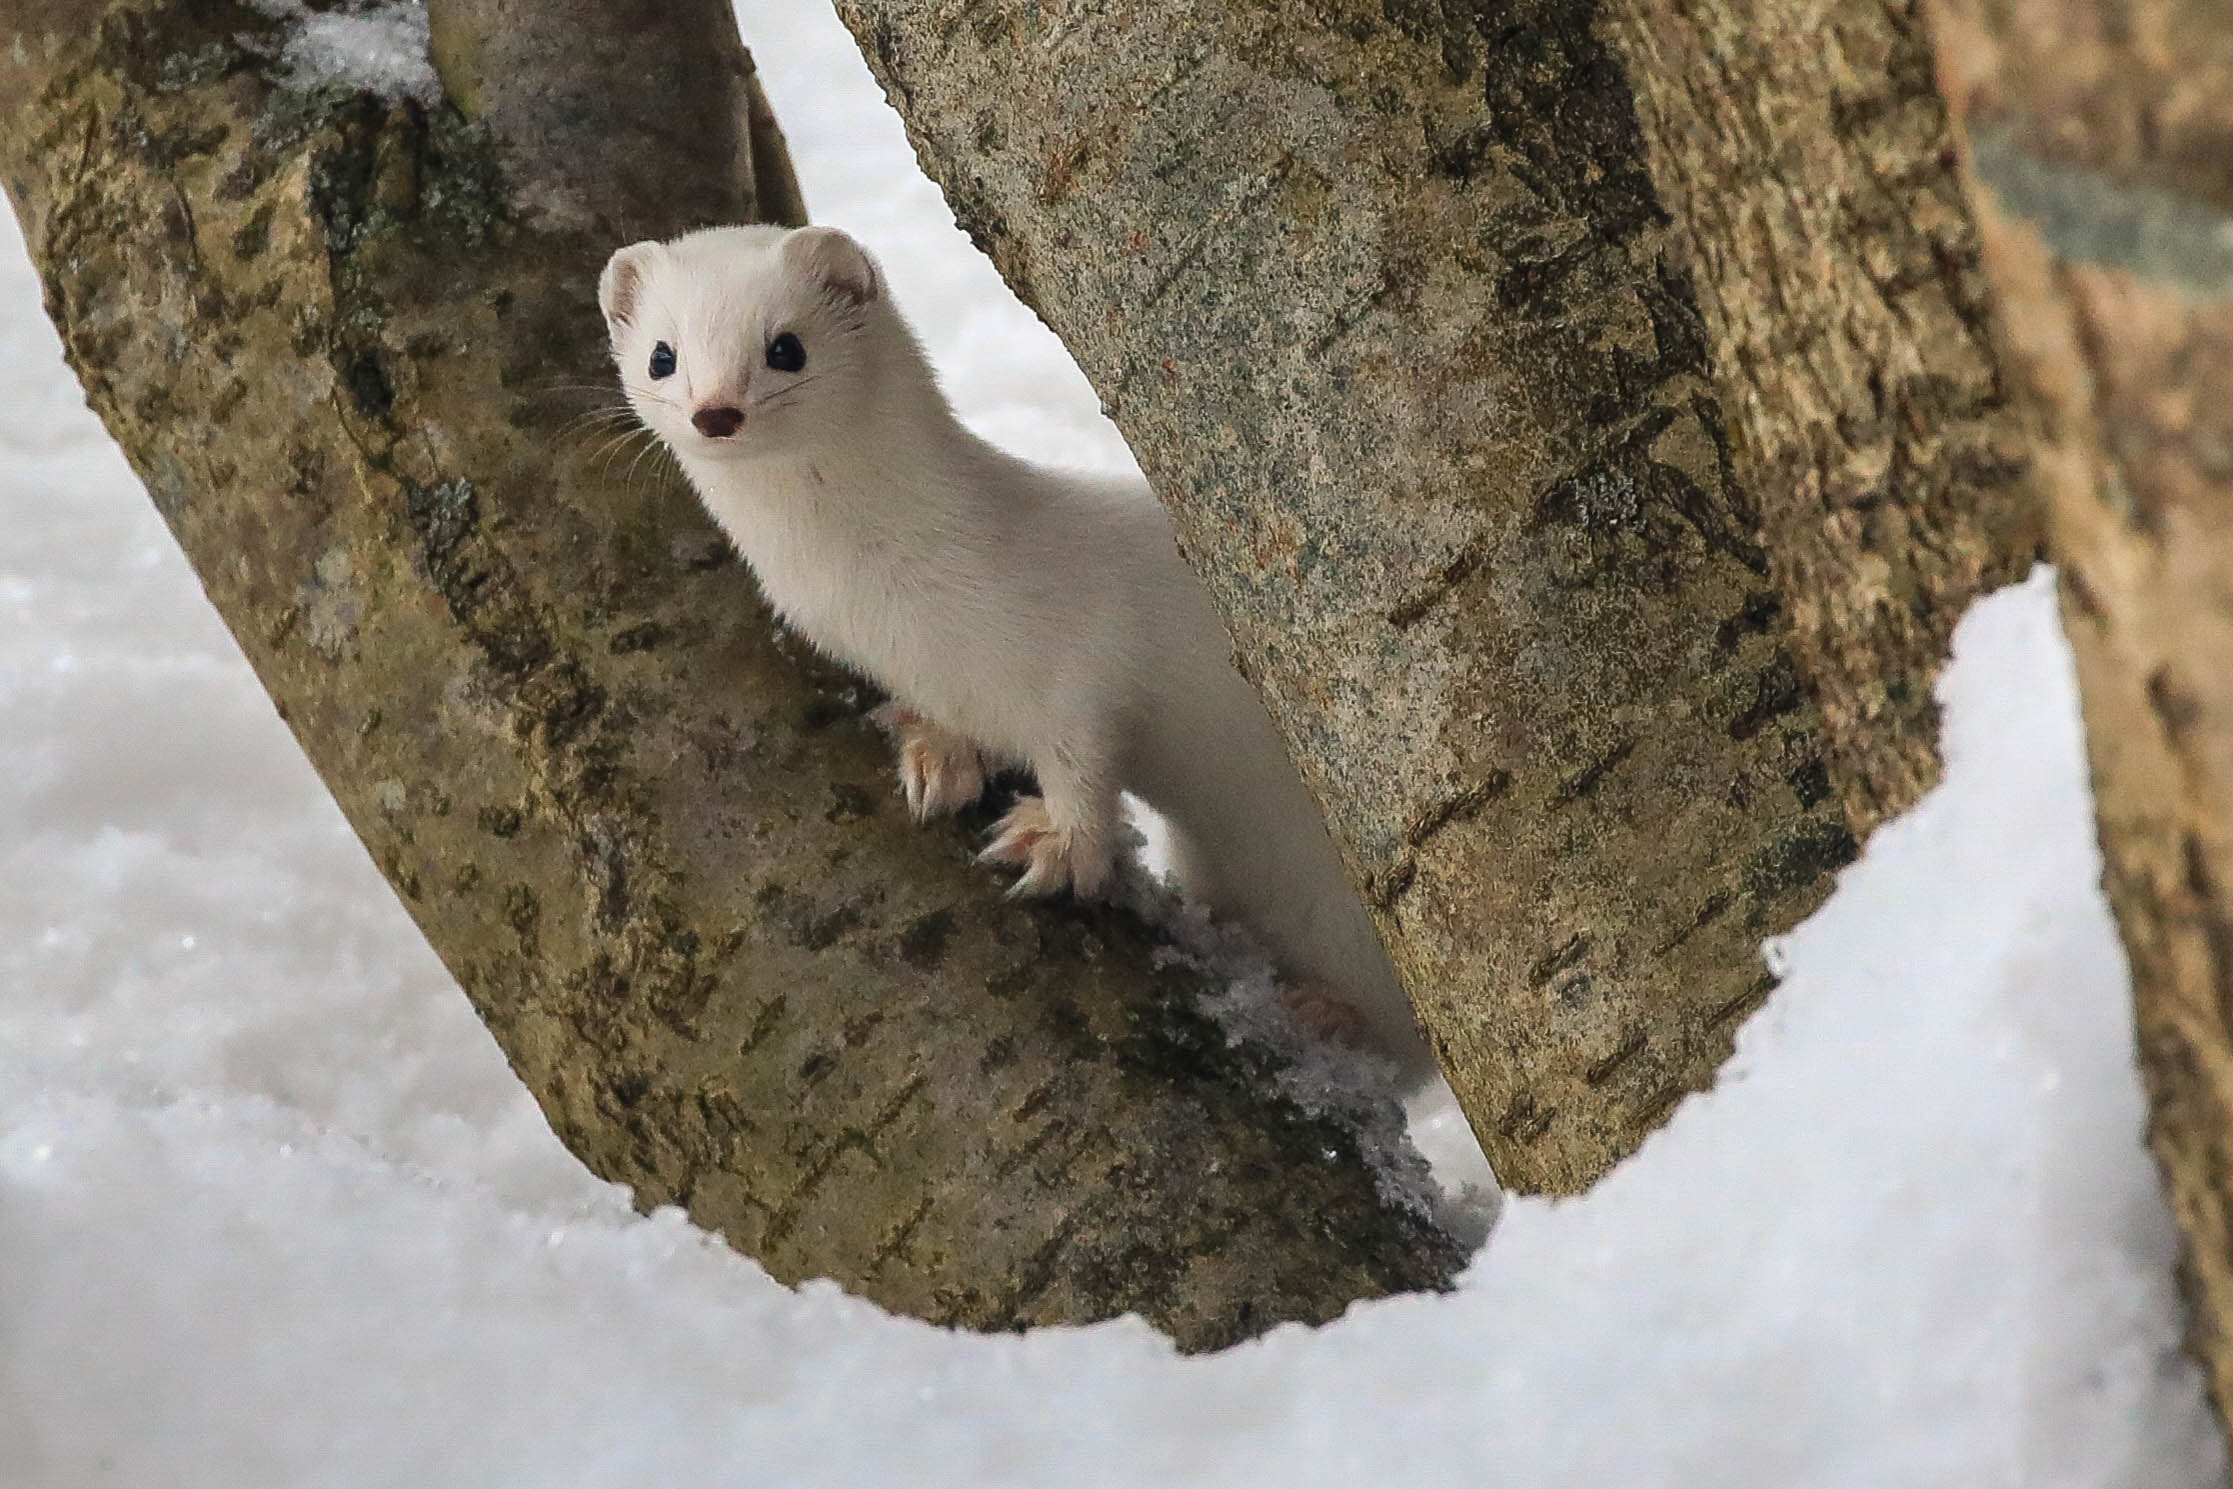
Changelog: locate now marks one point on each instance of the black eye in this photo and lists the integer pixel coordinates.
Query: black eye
(786, 354)
(662, 360)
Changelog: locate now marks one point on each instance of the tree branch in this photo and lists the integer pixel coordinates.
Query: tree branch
(2101, 165)
(663, 89)
(338, 338)
(1396, 313)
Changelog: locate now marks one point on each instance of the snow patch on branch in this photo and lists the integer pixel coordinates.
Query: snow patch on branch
(1352, 1089)
(380, 47)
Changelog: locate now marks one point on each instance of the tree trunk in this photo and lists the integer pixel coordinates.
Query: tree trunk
(1598, 609)
(653, 841)
(2102, 155)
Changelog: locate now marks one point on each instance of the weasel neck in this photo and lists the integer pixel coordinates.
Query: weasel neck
(836, 532)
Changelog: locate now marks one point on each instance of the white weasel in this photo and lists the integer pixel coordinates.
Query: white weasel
(1015, 614)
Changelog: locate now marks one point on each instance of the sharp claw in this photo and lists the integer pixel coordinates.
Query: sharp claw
(1052, 860)
(1045, 877)
(936, 793)
(936, 769)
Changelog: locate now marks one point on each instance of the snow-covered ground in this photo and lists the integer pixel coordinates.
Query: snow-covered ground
(274, 1213)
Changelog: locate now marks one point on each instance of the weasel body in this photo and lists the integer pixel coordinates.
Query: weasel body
(1015, 614)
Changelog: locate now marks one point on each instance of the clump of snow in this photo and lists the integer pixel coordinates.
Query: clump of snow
(273, 1211)
(1353, 1090)
(379, 46)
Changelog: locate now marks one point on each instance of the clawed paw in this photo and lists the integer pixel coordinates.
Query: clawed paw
(940, 772)
(1052, 858)
(1326, 1017)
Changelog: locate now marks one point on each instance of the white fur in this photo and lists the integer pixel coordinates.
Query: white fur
(1044, 617)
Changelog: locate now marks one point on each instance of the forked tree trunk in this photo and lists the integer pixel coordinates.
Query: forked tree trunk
(2102, 154)
(1589, 499)
(655, 844)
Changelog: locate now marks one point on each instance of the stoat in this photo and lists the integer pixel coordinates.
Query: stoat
(1015, 614)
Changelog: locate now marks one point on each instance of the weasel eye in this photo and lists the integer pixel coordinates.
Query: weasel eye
(786, 353)
(662, 360)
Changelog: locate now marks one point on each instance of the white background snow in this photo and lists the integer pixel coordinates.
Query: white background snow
(274, 1213)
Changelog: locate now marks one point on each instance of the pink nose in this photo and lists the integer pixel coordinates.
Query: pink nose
(718, 423)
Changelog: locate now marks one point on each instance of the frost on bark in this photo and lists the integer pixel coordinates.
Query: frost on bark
(2101, 146)
(1590, 507)
(335, 336)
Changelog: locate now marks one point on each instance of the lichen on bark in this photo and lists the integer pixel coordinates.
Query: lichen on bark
(653, 840)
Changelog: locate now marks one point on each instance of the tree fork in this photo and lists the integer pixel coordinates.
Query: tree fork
(568, 87)
(656, 845)
(1596, 641)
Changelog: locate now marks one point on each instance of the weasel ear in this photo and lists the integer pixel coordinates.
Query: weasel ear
(620, 287)
(834, 261)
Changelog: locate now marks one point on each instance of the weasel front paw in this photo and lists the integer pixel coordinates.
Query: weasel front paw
(1053, 858)
(939, 771)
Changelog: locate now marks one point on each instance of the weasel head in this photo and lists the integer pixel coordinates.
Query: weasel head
(749, 343)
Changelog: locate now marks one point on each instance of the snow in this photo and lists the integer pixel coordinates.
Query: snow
(274, 1213)
(381, 47)
(1445, 1178)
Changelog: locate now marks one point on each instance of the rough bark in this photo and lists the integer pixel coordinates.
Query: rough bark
(569, 87)
(2102, 154)
(1594, 677)
(654, 843)
(1810, 167)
